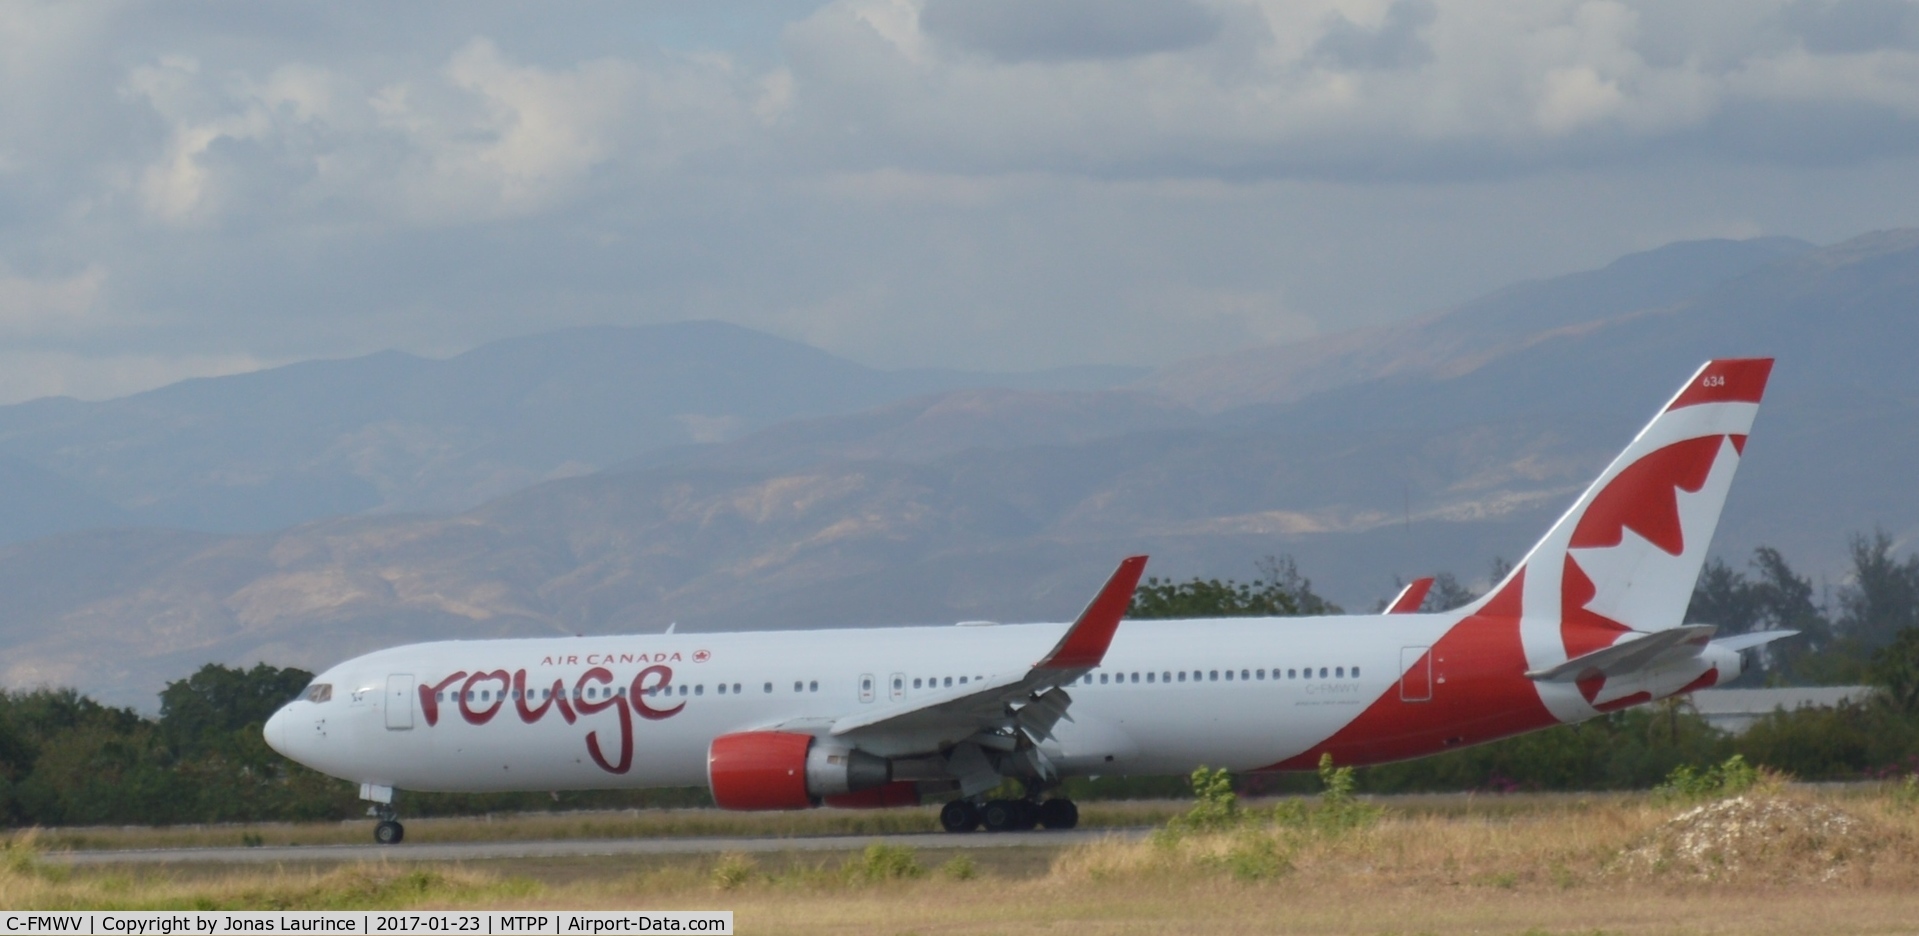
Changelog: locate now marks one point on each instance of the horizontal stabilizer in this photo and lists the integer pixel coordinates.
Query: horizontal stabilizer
(1754, 639)
(1631, 655)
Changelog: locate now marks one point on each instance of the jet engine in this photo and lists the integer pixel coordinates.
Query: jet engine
(752, 770)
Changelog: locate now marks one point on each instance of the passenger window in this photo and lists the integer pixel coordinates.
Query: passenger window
(1182, 675)
(769, 687)
(1102, 679)
(1243, 675)
(722, 689)
(439, 697)
(1259, 674)
(949, 680)
(1355, 672)
(1229, 675)
(962, 680)
(797, 686)
(1135, 677)
(1322, 672)
(1214, 676)
(813, 686)
(682, 689)
(1340, 672)
(1149, 677)
(916, 682)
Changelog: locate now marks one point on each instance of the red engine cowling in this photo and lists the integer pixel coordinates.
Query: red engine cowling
(753, 770)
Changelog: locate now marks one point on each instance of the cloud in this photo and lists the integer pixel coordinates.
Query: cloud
(1395, 43)
(1065, 30)
(1852, 26)
(974, 182)
(60, 306)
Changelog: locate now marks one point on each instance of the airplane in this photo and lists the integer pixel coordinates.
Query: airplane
(1590, 622)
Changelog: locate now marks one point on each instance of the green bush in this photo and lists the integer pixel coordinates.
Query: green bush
(881, 862)
(1730, 778)
(1215, 805)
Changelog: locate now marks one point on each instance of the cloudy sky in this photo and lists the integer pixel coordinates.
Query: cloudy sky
(193, 188)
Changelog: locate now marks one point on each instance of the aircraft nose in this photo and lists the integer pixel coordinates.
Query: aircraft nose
(276, 731)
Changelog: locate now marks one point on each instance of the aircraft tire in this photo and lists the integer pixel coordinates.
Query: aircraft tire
(959, 816)
(389, 832)
(1058, 813)
(1002, 815)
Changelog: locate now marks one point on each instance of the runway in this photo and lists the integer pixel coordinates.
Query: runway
(576, 848)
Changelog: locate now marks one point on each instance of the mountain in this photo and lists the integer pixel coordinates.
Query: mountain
(1453, 339)
(1014, 504)
(395, 432)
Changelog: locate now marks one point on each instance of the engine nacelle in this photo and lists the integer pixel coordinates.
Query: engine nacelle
(753, 770)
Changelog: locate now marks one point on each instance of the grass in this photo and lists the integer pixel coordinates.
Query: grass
(632, 823)
(1516, 865)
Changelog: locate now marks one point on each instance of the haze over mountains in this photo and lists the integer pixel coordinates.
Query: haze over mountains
(866, 497)
(393, 431)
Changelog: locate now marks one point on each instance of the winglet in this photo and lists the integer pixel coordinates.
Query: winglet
(1086, 641)
(1411, 597)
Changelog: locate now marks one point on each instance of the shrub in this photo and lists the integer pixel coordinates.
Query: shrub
(882, 862)
(1337, 810)
(1215, 804)
(961, 868)
(1730, 778)
(732, 871)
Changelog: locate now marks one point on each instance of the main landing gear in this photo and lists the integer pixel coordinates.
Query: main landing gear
(1009, 815)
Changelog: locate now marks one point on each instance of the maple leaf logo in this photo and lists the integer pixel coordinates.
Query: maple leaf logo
(1636, 551)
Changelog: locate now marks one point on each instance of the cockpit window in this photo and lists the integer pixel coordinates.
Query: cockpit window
(318, 692)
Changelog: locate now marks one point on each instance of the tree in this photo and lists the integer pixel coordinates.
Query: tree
(1448, 593)
(1895, 669)
(1280, 592)
(1883, 598)
(1725, 599)
(209, 710)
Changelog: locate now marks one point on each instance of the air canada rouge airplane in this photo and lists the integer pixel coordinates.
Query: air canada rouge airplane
(1591, 621)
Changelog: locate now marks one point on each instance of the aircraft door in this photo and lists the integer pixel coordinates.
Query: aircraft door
(1415, 674)
(898, 687)
(399, 702)
(866, 687)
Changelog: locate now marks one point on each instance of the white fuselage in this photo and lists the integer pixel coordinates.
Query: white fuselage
(1171, 694)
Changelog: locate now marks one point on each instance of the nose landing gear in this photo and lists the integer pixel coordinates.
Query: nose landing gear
(388, 831)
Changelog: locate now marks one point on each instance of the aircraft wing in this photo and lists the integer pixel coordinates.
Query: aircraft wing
(1032, 700)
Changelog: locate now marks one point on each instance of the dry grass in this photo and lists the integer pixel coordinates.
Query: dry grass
(1558, 865)
(631, 823)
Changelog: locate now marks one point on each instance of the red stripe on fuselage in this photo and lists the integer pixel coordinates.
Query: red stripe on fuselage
(1480, 693)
